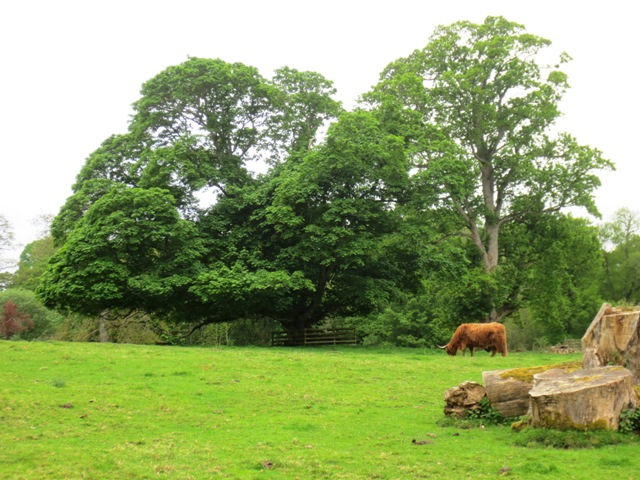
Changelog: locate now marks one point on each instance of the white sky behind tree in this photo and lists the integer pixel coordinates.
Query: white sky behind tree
(70, 70)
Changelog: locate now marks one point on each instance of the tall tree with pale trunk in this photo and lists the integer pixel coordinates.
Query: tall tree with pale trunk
(478, 110)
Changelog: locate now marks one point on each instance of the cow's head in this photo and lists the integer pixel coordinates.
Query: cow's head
(450, 348)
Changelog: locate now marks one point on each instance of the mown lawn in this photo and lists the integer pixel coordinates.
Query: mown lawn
(105, 411)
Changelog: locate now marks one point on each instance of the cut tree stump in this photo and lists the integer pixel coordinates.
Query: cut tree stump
(508, 390)
(613, 338)
(466, 396)
(587, 399)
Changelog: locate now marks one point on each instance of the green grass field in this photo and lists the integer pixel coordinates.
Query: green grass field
(106, 411)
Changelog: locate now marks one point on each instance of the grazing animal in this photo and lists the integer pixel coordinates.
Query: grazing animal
(491, 337)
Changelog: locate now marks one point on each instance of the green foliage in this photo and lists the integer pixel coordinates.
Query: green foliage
(222, 100)
(481, 417)
(195, 129)
(555, 261)
(435, 205)
(6, 280)
(622, 257)
(316, 236)
(303, 104)
(130, 251)
(136, 328)
(33, 263)
(622, 267)
(630, 421)
(476, 109)
(486, 413)
(622, 228)
(405, 323)
(76, 328)
(240, 332)
(525, 332)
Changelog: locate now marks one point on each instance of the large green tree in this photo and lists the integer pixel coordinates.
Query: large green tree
(198, 126)
(447, 174)
(478, 111)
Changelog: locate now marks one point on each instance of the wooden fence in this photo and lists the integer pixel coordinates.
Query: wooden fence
(316, 336)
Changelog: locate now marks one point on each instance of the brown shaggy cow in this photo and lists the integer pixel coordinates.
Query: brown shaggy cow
(490, 336)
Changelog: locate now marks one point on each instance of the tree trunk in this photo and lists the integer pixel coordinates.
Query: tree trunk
(103, 332)
(613, 338)
(508, 390)
(295, 331)
(590, 399)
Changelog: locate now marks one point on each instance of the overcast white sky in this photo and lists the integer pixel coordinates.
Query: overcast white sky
(69, 71)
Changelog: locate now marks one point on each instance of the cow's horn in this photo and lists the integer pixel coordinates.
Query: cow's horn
(443, 346)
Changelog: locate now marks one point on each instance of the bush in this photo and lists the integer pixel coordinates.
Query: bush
(76, 328)
(524, 333)
(407, 324)
(630, 421)
(12, 322)
(239, 332)
(45, 321)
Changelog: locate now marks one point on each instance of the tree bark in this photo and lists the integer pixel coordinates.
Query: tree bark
(590, 399)
(103, 331)
(466, 396)
(613, 338)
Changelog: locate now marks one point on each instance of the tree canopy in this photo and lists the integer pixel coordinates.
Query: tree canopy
(315, 238)
(478, 111)
(445, 185)
(33, 262)
(131, 250)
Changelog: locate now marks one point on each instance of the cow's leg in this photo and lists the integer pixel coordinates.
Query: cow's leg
(471, 350)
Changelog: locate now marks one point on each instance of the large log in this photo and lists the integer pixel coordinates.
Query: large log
(508, 390)
(613, 338)
(584, 399)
